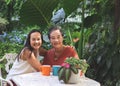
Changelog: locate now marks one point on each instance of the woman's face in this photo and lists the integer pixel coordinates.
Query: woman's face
(56, 39)
(35, 40)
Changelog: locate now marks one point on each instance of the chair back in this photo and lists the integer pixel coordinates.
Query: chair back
(4, 82)
(10, 58)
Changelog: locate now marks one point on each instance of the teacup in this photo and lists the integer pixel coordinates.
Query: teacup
(46, 69)
(55, 69)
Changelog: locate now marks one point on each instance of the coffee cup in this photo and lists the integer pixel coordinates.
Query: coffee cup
(46, 69)
(55, 69)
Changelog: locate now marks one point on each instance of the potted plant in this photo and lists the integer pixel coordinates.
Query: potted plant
(71, 66)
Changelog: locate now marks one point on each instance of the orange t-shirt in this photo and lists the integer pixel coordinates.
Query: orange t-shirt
(49, 58)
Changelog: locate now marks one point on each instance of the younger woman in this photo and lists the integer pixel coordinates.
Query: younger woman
(27, 60)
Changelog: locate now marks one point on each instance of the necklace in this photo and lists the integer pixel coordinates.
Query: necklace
(55, 58)
(57, 54)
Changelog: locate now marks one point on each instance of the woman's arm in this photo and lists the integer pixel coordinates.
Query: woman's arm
(32, 60)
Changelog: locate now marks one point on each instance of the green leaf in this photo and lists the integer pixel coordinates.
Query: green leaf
(74, 70)
(61, 73)
(37, 12)
(7, 1)
(67, 75)
(70, 5)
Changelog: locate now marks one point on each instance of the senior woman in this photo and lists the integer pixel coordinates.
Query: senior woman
(59, 52)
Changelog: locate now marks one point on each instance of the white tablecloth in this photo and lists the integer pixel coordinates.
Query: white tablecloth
(37, 79)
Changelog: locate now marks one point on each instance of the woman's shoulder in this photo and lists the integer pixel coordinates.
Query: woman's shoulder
(26, 50)
(25, 53)
(50, 50)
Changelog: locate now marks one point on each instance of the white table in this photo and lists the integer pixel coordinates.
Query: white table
(37, 79)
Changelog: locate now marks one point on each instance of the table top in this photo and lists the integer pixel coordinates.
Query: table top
(37, 79)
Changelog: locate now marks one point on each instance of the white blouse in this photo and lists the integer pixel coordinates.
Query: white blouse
(20, 67)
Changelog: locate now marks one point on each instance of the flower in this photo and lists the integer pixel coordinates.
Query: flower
(66, 65)
(70, 65)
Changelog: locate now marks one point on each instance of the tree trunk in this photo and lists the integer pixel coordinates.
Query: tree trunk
(10, 12)
(117, 15)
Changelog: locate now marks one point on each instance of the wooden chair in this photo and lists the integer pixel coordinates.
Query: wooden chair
(10, 57)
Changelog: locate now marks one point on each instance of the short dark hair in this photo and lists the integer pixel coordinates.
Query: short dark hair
(53, 28)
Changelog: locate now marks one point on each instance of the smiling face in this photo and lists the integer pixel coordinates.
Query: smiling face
(56, 39)
(35, 40)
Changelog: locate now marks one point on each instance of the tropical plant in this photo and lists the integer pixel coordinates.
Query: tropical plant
(96, 43)
(39, 12)
(71, 65)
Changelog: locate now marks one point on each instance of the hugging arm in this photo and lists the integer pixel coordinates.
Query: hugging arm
(31, 59)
